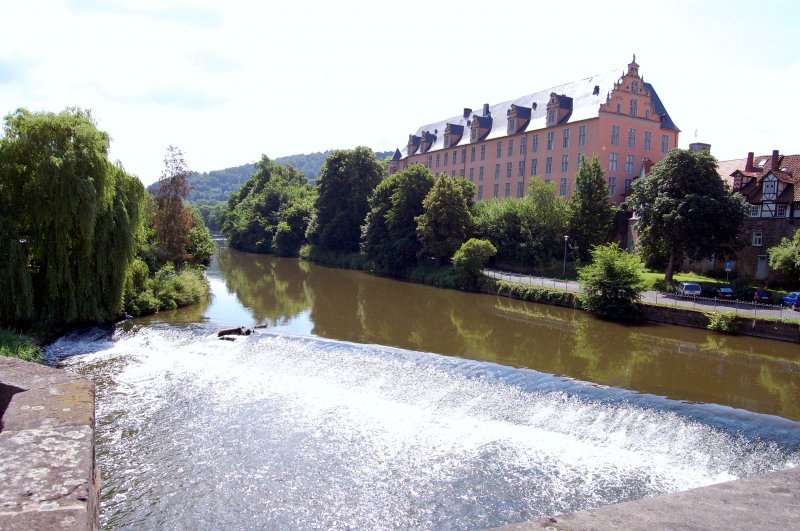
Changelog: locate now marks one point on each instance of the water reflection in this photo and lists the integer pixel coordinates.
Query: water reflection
(680, 363)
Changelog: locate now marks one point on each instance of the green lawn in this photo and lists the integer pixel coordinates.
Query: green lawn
(652, 277)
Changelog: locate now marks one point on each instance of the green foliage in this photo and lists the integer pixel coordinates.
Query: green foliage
(77, 214)
(685, 209)
(611, 284)
(532, 293)
(345, 184)
(324, 257)
(14, 345)
(528, 231)
(725, 322)
(432, 275)
(446, 220)
(212, 213)
(389, 235)
(166, 290)
(590, 210)
(785, 257)
(471, 257)
(270, 212)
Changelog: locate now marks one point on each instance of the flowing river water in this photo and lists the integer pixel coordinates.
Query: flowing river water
(368, 403)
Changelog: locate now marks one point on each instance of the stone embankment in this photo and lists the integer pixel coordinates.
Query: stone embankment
(48, 478)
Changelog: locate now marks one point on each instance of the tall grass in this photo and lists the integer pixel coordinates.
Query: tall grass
(14, 345)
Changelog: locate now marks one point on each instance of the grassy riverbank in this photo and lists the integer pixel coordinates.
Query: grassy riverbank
(14, 345)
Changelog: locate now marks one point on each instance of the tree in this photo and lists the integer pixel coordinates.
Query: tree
(446, 220)
(67, 220)
(612, 283)
(590, 210)
(471, 257)
(389, 235)
(344, 186)
(173, 220)
(686, 210)
(785, 257)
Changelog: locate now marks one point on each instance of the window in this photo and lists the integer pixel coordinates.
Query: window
(647, 113)
(581, 158)
(612, 186)
(534, 167)
(548, 181)
(461, 173)
(496, 171)
(758, 238)
(483, 151)
(523, 145)
(471, 174)
(562, 188)
(512, 125)
(499, 148)
(520, 187)
(634, 107)
(619, 108)
(631, 138)
(446, 158)
(508, 189)
(480, 173)
(550, 136)
(430, 161)
(535, 144)
(647, 139)
(521, 172)
(755, 210)
(496, 190)
(781, 211)
(612, 162)
(614, 135)
(582, 135)
(664, 143)
(480, 191)
(454, 157)
(509, 169)
(628, 185)
(452, 173)
(548, 166)
(565, 139)
(472, 154)
(770, 188)
(437, 160)
(510, 147)
(463, 157)
(551, 116)
(635, 86)
(564, 163)
(629, 164)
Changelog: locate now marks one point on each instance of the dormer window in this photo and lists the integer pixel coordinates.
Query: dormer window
(512, 125)
(551, 117)
(634, 107)
(770, 188)
(635, 86)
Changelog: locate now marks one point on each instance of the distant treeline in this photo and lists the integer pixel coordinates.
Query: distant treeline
(218, 185)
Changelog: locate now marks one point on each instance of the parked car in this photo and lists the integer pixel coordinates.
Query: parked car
(725, 292)
(763, 296)
(791, 299)
(689, 289)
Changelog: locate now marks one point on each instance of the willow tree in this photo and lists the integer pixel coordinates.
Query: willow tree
(68, 220)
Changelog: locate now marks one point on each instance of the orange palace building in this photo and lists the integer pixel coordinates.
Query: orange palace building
(546, 135)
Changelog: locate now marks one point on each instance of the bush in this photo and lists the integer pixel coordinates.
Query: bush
(166, 290)
(724, 322)
(470, 258)
(535, 293)
(611, 284)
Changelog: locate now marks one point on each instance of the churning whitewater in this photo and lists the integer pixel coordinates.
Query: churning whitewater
(281, 431)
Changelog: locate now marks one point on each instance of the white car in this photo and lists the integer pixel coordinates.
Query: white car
(689, 289)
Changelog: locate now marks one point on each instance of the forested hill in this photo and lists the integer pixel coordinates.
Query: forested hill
(217, 185)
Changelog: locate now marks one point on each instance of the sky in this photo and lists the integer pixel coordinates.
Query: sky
(229, 81)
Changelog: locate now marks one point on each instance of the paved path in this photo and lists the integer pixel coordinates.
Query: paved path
(655, 297)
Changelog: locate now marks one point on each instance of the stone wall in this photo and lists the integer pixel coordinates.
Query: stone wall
(48, 478)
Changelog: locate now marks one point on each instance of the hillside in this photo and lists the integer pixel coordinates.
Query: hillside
(217, 185)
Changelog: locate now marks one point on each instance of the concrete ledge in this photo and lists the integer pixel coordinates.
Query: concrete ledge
(48, 478)
(771, 501)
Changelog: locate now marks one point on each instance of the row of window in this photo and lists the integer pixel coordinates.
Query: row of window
(613, 166)
(767, 210)
(648, 139)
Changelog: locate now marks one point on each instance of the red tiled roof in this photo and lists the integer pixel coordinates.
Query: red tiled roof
(787, 171)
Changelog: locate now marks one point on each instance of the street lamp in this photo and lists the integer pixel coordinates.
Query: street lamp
(566, 238)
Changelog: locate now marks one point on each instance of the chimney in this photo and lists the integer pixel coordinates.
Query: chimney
(749, 165)
(486, 109)
(467, 112)
(774, 160)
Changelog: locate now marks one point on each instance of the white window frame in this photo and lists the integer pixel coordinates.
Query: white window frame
(758, 238)
(755, 211)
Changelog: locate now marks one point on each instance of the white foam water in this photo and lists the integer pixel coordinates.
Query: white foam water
(276, 431)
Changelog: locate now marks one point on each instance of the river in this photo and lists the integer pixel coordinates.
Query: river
(368, 403)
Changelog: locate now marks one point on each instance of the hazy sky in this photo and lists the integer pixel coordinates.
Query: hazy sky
(229, 80)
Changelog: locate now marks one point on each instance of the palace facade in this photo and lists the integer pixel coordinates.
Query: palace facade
(546, 135)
